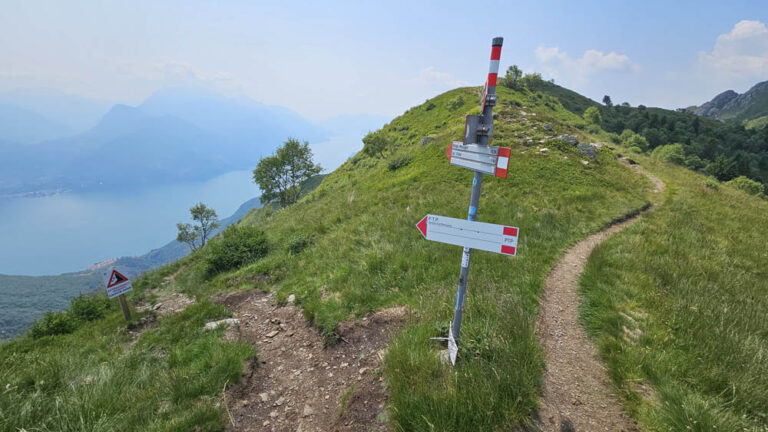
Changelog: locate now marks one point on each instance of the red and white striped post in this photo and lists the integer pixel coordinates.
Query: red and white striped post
(483, 135)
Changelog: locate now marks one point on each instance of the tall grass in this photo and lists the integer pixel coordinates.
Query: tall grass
(679, 303)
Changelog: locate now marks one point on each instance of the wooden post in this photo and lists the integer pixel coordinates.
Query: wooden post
(124, 307)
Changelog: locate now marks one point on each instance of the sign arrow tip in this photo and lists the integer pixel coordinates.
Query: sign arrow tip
(422, 226)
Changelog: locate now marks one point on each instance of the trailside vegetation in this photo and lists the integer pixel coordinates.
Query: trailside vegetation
(195, 236)
(280, 176)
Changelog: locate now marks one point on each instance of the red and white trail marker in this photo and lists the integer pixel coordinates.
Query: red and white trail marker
(476, 235)
(485, 159)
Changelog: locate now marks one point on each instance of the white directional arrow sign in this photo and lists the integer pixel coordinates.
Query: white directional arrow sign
(486, 159)
(476, 235)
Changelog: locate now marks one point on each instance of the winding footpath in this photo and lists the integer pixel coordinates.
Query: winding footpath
(577, 392)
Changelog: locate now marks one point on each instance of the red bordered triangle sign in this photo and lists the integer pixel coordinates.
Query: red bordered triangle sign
(116, 278)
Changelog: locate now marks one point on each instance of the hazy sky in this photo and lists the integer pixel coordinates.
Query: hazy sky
(322, 59)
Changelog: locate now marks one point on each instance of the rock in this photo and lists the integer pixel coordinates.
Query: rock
(587, 150)
(272, 333)
(291, 299)
(308, 411)
(543, 150)
(547, 127)
(569, 139)
(363, 370)
(584, 162)
(266, 423)
(273, 414)
(279, 401)
(426, 140)
(567, 426)
(216, 324)
(157, 306)
(264, 397)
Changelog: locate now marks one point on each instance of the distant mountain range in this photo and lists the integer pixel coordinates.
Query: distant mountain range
(176, 135)
(750, 108)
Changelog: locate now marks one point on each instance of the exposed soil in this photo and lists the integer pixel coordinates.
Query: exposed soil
(297, 384)
(577, 392)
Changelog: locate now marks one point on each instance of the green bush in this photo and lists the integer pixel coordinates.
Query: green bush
(673, 153)
(298, 243)
(712, 184)
(456, 103)
(747, 185)
(592, 115)
(53, 323)
(88, 307)
(398, 163)
(637, 141)
(430, 106)
(236, 247)
(635, 149)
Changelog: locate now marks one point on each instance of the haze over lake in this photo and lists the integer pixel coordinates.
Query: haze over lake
(71, 231)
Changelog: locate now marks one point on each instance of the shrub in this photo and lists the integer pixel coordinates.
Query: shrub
(88, 307)
(747, 185)
(635, 149)
(236, 247)
(53, 323)
(456, 103)
(430, 106)
(670, 153)
(398, 163)
(712, 184)
(637, 141)
(298, 243)
(592, 115)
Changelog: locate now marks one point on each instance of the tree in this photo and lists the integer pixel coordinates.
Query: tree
(280, 176)
(532, 81)
(592, 115)
(607, 101)
(206, 223)
(512, 78)
(375, 144)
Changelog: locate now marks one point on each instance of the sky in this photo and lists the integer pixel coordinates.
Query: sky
(323, 59)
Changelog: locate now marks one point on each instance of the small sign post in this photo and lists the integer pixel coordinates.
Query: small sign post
(475, 154)
(117, 285)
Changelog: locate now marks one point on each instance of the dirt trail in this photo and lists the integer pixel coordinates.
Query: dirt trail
(298, 385)
(576, 388)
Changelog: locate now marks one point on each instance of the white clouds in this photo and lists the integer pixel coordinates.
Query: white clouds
(560, 65)
(431, 76)
(742, 52)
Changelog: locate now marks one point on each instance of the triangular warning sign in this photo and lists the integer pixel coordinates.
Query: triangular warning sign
(115, 279)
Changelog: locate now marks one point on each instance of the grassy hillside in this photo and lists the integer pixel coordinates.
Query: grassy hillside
(677, 304)
(362, 253)
(366, 254)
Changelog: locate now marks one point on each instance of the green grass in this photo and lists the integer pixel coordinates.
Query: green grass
(689, 283)
(361, 252)
(98, 379)
(366, 254)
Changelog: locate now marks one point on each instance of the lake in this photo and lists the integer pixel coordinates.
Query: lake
(71, 231)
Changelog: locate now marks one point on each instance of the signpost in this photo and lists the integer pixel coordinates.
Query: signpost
(117, 285)
(475, 154)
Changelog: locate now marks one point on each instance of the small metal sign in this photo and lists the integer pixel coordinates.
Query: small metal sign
(485, 159)
(117, 284)
(470, 234)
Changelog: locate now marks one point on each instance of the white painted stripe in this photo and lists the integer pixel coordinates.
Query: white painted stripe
(494, 66)
(502, 162)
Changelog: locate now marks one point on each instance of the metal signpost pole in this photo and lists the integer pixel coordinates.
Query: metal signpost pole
(482, 135)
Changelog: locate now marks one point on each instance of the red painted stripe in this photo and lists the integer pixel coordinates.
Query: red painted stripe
(449, 151)
(510, 231)
(509, 250)
(500, 173)
(496, 52)
(492, 79)
(505, 151)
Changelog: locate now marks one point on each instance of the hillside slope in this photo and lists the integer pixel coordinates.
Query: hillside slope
(730, 105)
(365, 254)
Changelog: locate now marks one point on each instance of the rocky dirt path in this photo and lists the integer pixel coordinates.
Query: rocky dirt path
(297, 384)
(577, 392)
